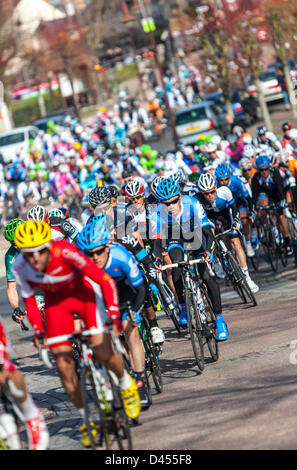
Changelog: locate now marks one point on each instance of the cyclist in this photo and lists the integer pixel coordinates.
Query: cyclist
(63, 228)
(242, 198)
(219, 205)
(267, 138)
(35, 425)
(119, 263)
(180, 224)
(71, 283)
(267, 186)
(10, 256)
(286, 127)
(234, 150)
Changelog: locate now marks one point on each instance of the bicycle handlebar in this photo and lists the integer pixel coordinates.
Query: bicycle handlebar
(181, 263)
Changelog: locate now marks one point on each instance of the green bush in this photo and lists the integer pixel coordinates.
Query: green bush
(27, 110)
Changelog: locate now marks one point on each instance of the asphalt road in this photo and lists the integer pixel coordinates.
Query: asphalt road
(246, 400)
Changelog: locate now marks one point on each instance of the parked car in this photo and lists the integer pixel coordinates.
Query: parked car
(58, 117)
(15, 141)
(206, 118)
(244, 109)
(270, 87)
(291, 63)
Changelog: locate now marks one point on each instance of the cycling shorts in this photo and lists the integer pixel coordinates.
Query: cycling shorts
(86, 302)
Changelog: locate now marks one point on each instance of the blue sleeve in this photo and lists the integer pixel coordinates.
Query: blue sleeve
(132, 271)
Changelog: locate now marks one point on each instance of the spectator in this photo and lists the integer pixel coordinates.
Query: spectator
(282, 82)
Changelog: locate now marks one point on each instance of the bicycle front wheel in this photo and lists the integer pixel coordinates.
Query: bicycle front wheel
(211, 327)
(195, 330)
(93, 405)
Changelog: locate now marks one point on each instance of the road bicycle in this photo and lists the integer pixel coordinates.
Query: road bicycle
(201, 322)
(12, 420)
(270, 237)
(152, 352)
(101, 396)
(232, 269)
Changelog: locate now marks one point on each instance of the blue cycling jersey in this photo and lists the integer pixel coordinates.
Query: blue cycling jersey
(121, 265)
(237, 188)
(191, 217)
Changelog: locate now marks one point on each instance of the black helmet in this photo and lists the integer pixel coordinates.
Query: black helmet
(286, 126)
(261, 130)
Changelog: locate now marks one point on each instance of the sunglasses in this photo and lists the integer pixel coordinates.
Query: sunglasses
(91, 254)
(136, 198)
(213, 191)
(246, 169)
(264, 169)
(175, 201)
(30, 254)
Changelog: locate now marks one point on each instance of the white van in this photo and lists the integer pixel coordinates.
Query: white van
(15, 141)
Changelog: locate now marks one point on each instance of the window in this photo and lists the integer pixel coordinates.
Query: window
(192, 115)
(12, 139)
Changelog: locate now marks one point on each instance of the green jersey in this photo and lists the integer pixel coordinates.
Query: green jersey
(10, 257)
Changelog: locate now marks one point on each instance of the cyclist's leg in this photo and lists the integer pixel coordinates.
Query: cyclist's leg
(215, 297)
(176, 253)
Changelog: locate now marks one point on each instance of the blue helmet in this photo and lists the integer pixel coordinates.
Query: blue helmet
(223, 171)
(167, 189)
(262, 160)
(94, 234)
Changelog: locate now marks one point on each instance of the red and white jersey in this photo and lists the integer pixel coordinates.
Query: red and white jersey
(67, 270)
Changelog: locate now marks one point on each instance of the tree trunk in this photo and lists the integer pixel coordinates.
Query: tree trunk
(229, 109)
(263, 106)
(290, 89)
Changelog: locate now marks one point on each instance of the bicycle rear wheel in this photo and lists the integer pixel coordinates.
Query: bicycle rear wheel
(240, 284)
(195, 330)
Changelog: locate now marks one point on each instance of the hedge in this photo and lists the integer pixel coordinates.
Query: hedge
(27, 111)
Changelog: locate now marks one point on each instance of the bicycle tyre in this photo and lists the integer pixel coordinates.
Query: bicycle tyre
(89, 396)
(118, 422)
(242, 285)
(195, 330)
(152, 364)
(211, 340)
(171, 313)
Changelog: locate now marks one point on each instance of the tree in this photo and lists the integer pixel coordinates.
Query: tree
(249, 48)
(281, 17)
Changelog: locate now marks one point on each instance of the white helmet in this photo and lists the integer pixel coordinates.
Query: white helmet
(249, 151)
(247, 139)
(216, 140)
(134, 188)
(207, 182)
(155, 183)
(38, 213)
(211, 147)
(244, 163)
(284, 156)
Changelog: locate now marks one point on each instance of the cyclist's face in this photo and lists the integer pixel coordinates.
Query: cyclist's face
(173, 205)
(211, 195)
(224, 181)
(38, 260)
(138, 201)
(99, 255)
(213, 155)
(247, 173)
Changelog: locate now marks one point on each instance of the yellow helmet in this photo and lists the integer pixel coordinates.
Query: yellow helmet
(33, 235)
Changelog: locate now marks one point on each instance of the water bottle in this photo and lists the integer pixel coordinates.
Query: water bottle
(254, 237)
(10, 432)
